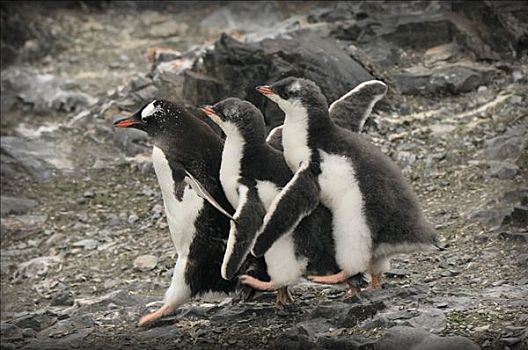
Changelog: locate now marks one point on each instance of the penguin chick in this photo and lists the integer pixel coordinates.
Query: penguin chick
(375, 212)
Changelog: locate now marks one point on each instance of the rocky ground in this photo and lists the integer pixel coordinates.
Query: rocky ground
(85, 248)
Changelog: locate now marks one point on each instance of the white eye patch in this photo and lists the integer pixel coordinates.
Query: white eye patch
(148, 111)
(296, 86)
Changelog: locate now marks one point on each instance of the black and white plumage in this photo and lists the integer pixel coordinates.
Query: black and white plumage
(186, 157)
(252, 174)
(375, 212)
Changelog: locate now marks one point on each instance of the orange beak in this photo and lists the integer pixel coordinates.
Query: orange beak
(208, 110)
(125, 123)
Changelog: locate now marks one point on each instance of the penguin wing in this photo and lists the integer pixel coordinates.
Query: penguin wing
(202, 193)
(247, 220)
(274, 138)
(352, 109)
(296, 200)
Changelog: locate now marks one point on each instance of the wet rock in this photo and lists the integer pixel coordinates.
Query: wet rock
(400, 337)
(432, 320)
(42, 159)
(16, 205)
(454, 79)
(10, 332)
(504, 170)
(42, 92)
(235, 69)
(145, 262)
(38, 266)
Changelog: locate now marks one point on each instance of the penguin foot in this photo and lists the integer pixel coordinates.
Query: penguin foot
(375, 283)
(153, 316)
(352, 293)
(256, 283)
(339, 277)
(283, 298)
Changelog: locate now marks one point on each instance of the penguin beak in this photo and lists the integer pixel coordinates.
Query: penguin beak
(211, 114)
(266, 90)
(129, 122)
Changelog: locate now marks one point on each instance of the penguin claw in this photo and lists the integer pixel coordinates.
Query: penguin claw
(153, 316)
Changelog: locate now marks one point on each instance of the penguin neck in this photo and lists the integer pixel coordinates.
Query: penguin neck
(196, 147)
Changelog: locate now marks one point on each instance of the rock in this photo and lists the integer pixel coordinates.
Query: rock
(398, 338)
(508, 146)
(432, 320)
(518, 217)
(312, 328)
(21, 226)
(165, 30)
(16, 205)
(397, 273)
(71, 341)
(520, 237)
(39, 158)
(62, 298)
(145, 262)
(38, 266)
(442, 52)
(354, 342)
(235, 69)
(132, 219)
(37, 321)
(68, 326)
(504, 170)
(117, 298)
(10, 332)
(452, 78)
(42, 92)
(359, 313)
(242, 16)
(88, 244)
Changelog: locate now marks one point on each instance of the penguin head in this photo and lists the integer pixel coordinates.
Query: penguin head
(236, 115)
(294, 95)
(154, 118)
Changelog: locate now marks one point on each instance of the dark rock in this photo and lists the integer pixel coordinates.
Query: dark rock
(397, 273)
(398, 338)
(62, 297)
(16, 205)
(166, 332)
(37, 321)
(118, 298)
(10, 332)
(359, 313)
(71, 341)
(518, 217)
(69, 326)
(355, 342)
(452, 79)
(235, 69)
(313, 328)
(504, 170)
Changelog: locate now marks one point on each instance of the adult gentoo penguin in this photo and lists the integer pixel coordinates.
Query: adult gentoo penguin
(375, 212)
(186, 157)
(252, 174)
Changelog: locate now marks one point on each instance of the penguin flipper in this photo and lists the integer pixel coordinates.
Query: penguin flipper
(203, 193)
(352, 109)
(296, 200)
(247, 220)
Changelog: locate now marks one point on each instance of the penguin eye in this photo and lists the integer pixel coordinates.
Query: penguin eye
(285, 95)
(144, 119)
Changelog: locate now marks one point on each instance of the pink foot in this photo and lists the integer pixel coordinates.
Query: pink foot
(256, 283)
(153, 316)
(339, 277)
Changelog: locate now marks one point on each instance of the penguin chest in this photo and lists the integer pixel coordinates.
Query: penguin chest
(338, 182)
(230, 168)
(295, 143)
(267, 191)
(181, 210)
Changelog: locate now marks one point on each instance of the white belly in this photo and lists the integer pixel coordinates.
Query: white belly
(341, 194)
(267, 192)
(283, 266)
(295, 142)
(230, 168)
(181, 215)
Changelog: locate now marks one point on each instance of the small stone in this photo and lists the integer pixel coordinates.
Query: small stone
(89, 194)
(133, 218)
(88, 244)
(29, 333)
(10, 332)
(510, 340)
(145, 262)
(482, 328)
(397, 273)
(62, 298)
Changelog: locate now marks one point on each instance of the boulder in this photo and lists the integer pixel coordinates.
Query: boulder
(234, 68)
